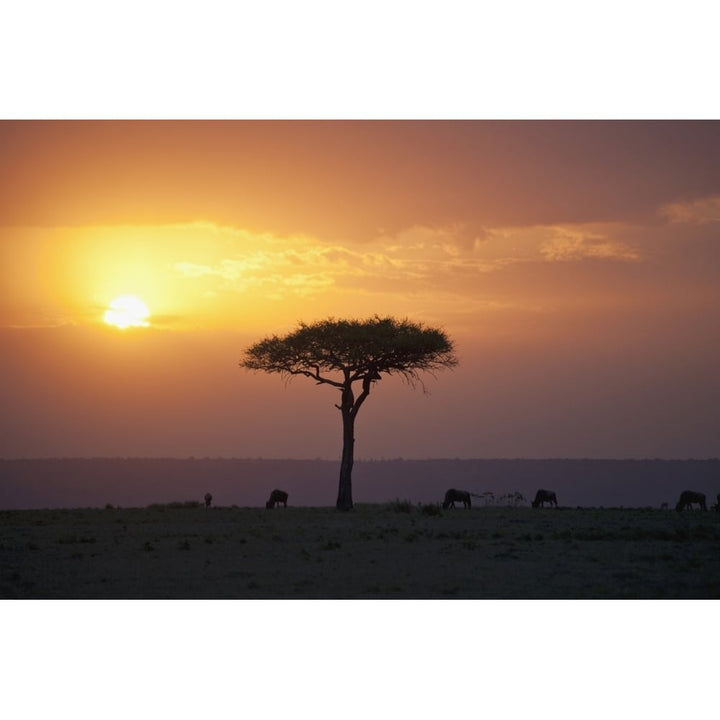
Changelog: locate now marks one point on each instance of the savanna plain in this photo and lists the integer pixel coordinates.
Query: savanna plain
(382, 551)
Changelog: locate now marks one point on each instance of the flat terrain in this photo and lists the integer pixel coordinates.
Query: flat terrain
(372, 552)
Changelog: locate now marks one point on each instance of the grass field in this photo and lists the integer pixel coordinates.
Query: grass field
(375, 551)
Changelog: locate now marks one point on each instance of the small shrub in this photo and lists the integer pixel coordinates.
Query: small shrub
(431, 510)
(401, 506)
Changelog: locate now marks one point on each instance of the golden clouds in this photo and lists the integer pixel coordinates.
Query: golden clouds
(696, 212)
(207, 275)
(572, 244)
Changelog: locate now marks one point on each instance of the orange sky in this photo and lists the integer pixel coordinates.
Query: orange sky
(575, 264)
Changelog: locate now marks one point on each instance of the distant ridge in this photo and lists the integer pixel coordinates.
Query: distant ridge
(132, 482)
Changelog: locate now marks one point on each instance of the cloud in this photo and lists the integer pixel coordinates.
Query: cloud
(279, 267)
(419, 267)
(230, 270)
(570, 244)
(495, 249)
(413, 260)
(696, 212)
(193, 270)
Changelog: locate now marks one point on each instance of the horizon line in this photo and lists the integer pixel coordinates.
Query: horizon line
(205, 458)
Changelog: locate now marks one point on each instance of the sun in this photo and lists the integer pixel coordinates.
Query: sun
(127, 311)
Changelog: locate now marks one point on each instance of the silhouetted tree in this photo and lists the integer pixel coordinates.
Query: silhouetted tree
(342, 353)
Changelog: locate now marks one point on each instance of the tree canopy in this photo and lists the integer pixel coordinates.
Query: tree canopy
(359, 348)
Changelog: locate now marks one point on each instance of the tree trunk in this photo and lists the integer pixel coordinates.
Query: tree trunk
(344, 499)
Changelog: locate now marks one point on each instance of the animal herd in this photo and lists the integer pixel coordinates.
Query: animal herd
(688, 498)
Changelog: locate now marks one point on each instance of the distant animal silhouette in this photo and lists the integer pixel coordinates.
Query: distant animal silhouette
(208, 499)
(664, 506)
(688, 497)
(452, 496)
(276, 497)
(543, 496)
(716, 506)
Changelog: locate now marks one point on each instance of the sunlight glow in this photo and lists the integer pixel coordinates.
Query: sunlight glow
(127, 311)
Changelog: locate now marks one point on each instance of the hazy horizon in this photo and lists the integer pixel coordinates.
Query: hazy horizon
(135, 482)
(337, 459)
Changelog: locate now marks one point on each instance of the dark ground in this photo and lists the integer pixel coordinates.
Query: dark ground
(371, 552)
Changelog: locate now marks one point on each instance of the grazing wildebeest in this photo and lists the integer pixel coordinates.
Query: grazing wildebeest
(543, 496)
(276, 497)
(716, 506)
(452, 496)
(688, 497)
(208, 499)
(664, 506)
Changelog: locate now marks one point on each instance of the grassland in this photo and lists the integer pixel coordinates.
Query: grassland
(375, 551)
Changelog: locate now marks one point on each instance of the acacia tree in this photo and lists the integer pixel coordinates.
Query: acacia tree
(352, 355)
